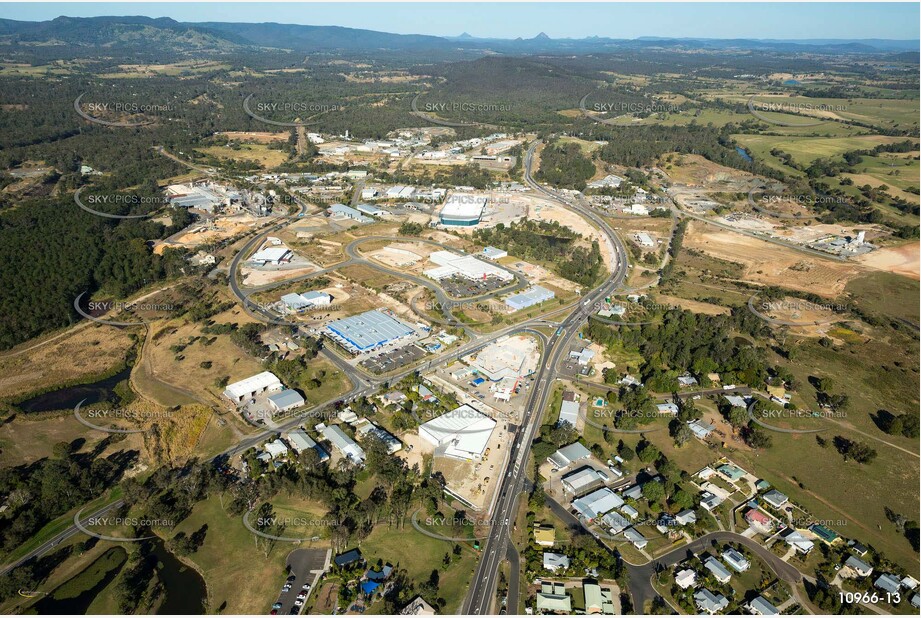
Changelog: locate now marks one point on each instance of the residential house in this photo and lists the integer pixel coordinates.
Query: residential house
(555, 562)
(759, 606)
(667, 408)
(888, 583)
(710, 602)
(795, 539)
(720, 572)
(685, 517)
(857, 565)
(686, 578)
(736, 560)
(775, 498)
(552, 599)
(759, 520)
(545, 536)
(634, 536)
(710, 500)
(615, 522)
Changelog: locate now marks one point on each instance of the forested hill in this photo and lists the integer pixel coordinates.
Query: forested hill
(119, 32)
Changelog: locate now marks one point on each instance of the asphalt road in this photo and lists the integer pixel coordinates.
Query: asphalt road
(60, 538)
(482, 590)
(641, 576)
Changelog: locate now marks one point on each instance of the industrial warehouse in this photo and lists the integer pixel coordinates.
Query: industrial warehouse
(462, 433)
(463, 209)
(295, 303)
(367, 331)
(466, 266)
(263, 382)
(530, 297)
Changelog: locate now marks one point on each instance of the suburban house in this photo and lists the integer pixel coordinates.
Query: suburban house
(615, 522)
(888, 583)
(597, 599)
(685, 578)
(736, 560)
(545, 536)
(796, 539)
(709, 500)
(685, 517)
(857, 565)
(555, 562)
(720, 572)
(634, 536)
(759, 520)
(759, 606)
(775, 498)
(709, 602)
(552, 599)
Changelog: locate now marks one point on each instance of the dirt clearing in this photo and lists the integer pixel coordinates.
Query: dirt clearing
(770, 264)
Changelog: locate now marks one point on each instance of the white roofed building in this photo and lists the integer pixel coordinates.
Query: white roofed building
(453, 264)
(272, 255)
(344, 444)
(263, 382)
(462, 433)
(462, 209)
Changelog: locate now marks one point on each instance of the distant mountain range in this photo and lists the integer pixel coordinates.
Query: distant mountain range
(168, 34)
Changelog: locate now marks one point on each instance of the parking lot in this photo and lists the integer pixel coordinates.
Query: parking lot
(393, 359)
(461, 287)
(304, 567)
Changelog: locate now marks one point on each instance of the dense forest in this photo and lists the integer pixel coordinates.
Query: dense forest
(564, 166)
(52, 251)
(686, 342)
(547, 241)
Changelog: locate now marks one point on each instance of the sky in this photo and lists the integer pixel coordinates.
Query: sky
(556, 19)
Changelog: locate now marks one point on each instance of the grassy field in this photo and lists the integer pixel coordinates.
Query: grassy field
(891, 295)
(405, 548)
(883, 113)
(584, 145)
(267, 158)
(805, 150)
(890, 169)
(230, 556)
(75, 356)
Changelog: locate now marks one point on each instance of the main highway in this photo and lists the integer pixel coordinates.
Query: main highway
(498, 544)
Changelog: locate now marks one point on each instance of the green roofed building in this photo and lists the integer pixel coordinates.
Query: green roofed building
(552, 598)
(733, 473)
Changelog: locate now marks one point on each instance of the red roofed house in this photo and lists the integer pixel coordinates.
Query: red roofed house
(759, 520)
